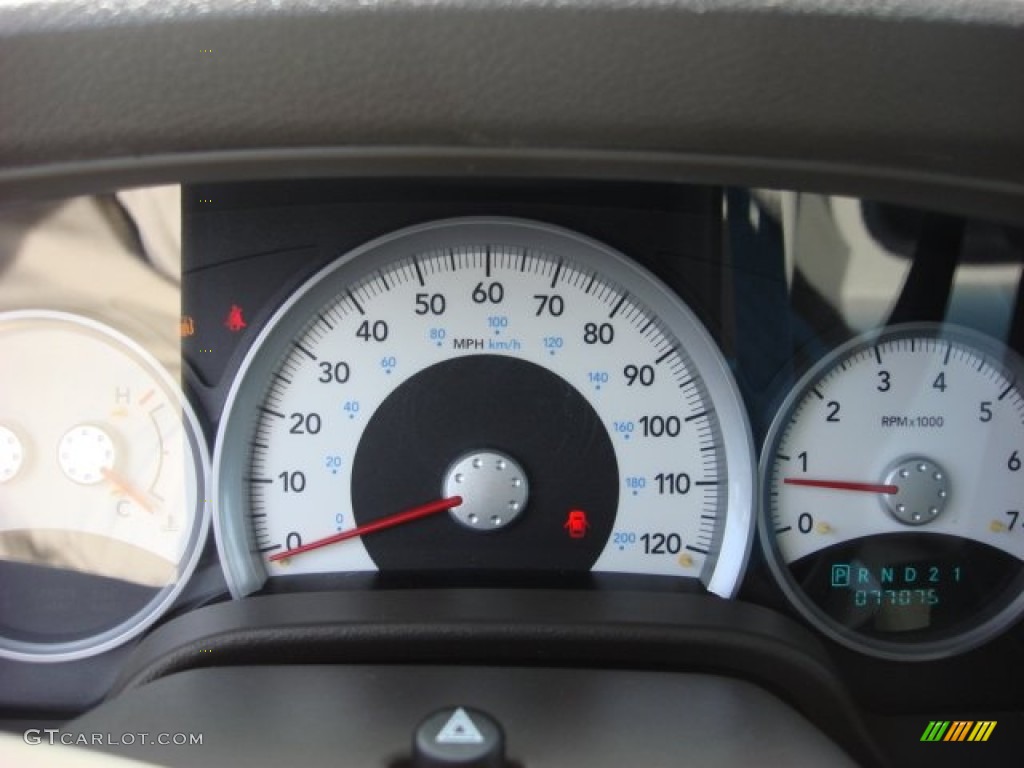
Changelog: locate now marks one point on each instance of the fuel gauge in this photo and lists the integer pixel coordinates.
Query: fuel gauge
(892, 505)
(102, 487)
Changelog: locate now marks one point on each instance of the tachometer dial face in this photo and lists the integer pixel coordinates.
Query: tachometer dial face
(102, 487)
(893, 488)
(484, 395)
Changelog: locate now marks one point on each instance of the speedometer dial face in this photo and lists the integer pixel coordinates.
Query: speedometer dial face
(484, 395)
(893, 485)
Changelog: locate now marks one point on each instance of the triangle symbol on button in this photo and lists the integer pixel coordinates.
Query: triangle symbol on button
(459, 729)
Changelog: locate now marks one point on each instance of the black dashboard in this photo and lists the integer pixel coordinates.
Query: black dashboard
(440, 409)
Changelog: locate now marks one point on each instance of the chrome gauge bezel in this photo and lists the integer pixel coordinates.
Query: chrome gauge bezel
(165, 597)
(244, 571)
(989, 626)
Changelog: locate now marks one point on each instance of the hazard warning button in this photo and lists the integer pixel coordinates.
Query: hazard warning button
(459, 736)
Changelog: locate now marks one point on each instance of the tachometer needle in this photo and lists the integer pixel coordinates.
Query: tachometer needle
(424, 510)
(842, 485)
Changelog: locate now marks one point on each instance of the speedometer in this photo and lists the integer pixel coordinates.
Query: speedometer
(480, 395)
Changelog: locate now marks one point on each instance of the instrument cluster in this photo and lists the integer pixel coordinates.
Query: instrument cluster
(600, 386)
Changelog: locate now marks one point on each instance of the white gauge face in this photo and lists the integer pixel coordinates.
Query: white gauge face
(12, 454)
(579, 411)
(101, 487)
(893, 485)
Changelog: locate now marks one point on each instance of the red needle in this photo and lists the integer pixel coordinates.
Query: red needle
(842, 485)
(391, 521)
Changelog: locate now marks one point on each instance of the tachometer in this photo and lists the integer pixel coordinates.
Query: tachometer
(484, 395)
(892, 490)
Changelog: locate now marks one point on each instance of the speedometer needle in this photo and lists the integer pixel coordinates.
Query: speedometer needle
(842, 485)
(424, 510)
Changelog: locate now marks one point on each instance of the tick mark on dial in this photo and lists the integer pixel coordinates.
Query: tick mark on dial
(668, 353)
(618, 306)
(558, 271)
(303, 350)
(356, 304)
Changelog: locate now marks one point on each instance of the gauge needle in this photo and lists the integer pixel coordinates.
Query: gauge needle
(842, 485)
(123, 486)
(424, 510)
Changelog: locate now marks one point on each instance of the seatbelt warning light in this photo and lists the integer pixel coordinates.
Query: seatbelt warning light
(235, 321)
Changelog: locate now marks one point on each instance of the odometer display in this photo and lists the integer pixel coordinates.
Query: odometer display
(576, 408)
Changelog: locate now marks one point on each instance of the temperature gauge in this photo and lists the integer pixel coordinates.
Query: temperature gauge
(102, 487)
(892, 492)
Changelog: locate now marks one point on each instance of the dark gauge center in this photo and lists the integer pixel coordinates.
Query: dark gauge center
(533, 419)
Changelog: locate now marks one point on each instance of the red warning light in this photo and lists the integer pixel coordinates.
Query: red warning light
(235, 322)
(576, 523)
